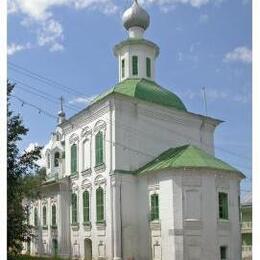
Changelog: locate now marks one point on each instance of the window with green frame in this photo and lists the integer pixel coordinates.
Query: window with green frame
(44, 216)
(123, 67)
(223, 205)
(223, 253)
(74, 210)
(148, 67)
(53, 215)
(135, 65)
(54, 247)
(86, 206)
(154, 207)
(73, 160)
(100, 204)
(99, 148)
(35, 217)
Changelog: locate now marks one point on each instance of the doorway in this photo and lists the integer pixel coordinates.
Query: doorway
(88, 249)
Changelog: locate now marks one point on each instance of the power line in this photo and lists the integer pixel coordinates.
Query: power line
(43, 79)
(44, 96)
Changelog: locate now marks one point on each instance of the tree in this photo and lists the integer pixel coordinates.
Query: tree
(21, 169)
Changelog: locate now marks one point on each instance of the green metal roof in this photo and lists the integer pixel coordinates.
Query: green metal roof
(187, 156)
(145, 90)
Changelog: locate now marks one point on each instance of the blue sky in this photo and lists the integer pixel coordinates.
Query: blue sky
(203, 43)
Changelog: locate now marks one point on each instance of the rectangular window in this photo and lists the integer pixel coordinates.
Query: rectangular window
(154, 207)
(86, 154)
(74, 212)
(123, 68)
(223, 205)
(73, 162)
(85, 206)
(135, 65)
(44, 216)
(148, 67)
(100, 204)
(223, 253)
(99, 148)
(53, 214)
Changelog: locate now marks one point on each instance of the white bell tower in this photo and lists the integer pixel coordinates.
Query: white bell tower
(136, 55)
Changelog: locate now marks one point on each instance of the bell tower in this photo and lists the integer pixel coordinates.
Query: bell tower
(136, 55)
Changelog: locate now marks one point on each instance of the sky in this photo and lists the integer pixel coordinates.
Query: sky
(64, 48)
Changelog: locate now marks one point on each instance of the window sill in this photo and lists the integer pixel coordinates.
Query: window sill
(75, 226)
(87, 223)
(74, 175)
(54, 227)
(100, 168)
(101, 223)
(44, 227)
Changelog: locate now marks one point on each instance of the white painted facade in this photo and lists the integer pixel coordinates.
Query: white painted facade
(135, 132)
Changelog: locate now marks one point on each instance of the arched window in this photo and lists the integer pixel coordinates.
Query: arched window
(123, 68)
(154, 207)
(100, 204)
(135, 65)
(74, 211)
(53, 215)
(48, 161)
(35, 217)
(85, 206)
(44, 216)
(148, 67)
(56, 159)
(73, 159)
(99, 148)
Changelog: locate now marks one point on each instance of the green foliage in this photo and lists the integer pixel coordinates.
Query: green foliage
(22, 175)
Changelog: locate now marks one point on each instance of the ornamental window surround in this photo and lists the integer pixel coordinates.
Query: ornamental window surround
(135, 65)
(223, 205)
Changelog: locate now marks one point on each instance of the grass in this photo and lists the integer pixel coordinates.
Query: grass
(28, 257)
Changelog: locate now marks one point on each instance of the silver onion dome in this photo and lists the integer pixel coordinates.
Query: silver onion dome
(136, 16)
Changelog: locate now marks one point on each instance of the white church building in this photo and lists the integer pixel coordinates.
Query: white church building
(133, 176)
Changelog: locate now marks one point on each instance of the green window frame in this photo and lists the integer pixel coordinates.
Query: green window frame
(223, 253)
(55, 247)
(123, 68)
(223, 205)
(73, 160)
(56, 159)
(154, 207)
(74, 208)
(35, 217)
(53, 215)
(86, 206)
(148, 67)
(44, 216)
(100, 204)
(99, 143)
(48, 161)
(135, 65)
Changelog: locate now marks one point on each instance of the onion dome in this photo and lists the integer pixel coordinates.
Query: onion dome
(136, 16)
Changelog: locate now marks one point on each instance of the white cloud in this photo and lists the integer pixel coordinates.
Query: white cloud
(41, 162)
(31, 147)
(82, 100)
(14, 48)
(38, 16)
(239, 54)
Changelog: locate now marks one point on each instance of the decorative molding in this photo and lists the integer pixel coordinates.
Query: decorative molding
(87, 172)
(86, 184)
(100, 168)
(86, 131)
(74, 138)
(100, 125)
(99, 180)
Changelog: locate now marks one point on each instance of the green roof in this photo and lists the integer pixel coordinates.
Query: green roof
(145, 90)
(187, 156)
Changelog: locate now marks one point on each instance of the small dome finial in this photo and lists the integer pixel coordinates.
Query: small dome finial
(136, 16)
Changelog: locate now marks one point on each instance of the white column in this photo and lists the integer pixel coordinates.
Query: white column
(116, 207)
